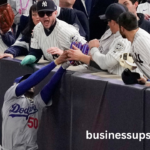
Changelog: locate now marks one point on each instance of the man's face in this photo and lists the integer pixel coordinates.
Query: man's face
(48, 19)
(122, 32)
(131, 7)
(111, 25)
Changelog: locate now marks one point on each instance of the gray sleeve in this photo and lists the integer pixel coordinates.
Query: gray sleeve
(10, 93)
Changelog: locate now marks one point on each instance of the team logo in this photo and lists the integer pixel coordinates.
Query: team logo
(138, 59)
(17, 111)
(119, 47)
(44, 4)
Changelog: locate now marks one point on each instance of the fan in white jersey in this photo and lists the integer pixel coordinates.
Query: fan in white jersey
(50, 37)
(140, 47)
(144, 8)
(110, 61)
(21, 111)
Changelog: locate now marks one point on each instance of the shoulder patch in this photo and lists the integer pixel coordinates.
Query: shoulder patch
(119, 46)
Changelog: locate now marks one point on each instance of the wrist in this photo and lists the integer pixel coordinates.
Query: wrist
(85, 59)
(60, 52)
(56, 62)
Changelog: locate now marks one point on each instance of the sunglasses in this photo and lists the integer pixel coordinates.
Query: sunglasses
(42, 13)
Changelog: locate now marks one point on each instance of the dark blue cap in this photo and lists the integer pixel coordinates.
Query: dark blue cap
(129, 77)
(113, 11)
(19, 79)
(46, 5)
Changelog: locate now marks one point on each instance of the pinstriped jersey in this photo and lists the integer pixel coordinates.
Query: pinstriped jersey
(118, 47)
(60, 37)
(141, 51)
(106, 41)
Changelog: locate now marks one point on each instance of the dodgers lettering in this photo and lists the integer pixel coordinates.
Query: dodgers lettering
(17, 111)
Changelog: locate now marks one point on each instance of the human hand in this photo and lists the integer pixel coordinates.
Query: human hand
(55, 50)
(62, 58)
(94, 43)
(75, 54)
(6, 55)
(142, 80)
(147, 17)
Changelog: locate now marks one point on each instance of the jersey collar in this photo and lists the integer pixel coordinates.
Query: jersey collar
(49, 31)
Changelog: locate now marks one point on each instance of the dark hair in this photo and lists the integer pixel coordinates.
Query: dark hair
(133, 1)
(28, 30)
(128, 21)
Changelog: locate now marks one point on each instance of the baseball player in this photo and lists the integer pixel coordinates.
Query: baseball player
(21, 111)
(111, 60)
(140, 41)
(49, 34)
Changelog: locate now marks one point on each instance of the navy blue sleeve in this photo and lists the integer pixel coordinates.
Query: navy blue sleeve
(8, 38)
(17, 51)
(34, 79)
(48, 89)
(37, 53)
(20, 49)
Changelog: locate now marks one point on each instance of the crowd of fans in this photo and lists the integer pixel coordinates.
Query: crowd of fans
(111, 28)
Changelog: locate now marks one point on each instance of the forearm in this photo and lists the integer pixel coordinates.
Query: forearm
(8, 39)
(36, 52)
(85, 59)
(47, 91)
(34, 79)
(104, 61)
(17, 51)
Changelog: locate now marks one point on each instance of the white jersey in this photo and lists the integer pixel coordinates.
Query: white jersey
(144, 8)
(60, 37)
(141, 51)
(111, 60)
(21, 119)
(106, 41)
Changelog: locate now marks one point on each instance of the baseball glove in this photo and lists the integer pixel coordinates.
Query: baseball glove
(6, 17)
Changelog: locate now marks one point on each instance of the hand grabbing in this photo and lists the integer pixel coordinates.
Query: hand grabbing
(55, 50)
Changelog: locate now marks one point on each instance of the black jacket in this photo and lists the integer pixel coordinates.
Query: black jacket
(144, 24)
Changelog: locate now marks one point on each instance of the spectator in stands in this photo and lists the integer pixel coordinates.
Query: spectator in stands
(139, 39)
(51, 36)
(17, 15)
(21, 47)
(80, 5)
(22, 8)
(74, 17)
(144, 8)
(110, 61)
(97, 26)
(132, 7)
(68, 15)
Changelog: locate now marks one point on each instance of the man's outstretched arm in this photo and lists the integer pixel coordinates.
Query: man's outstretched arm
(48, 89)
(38, 76)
